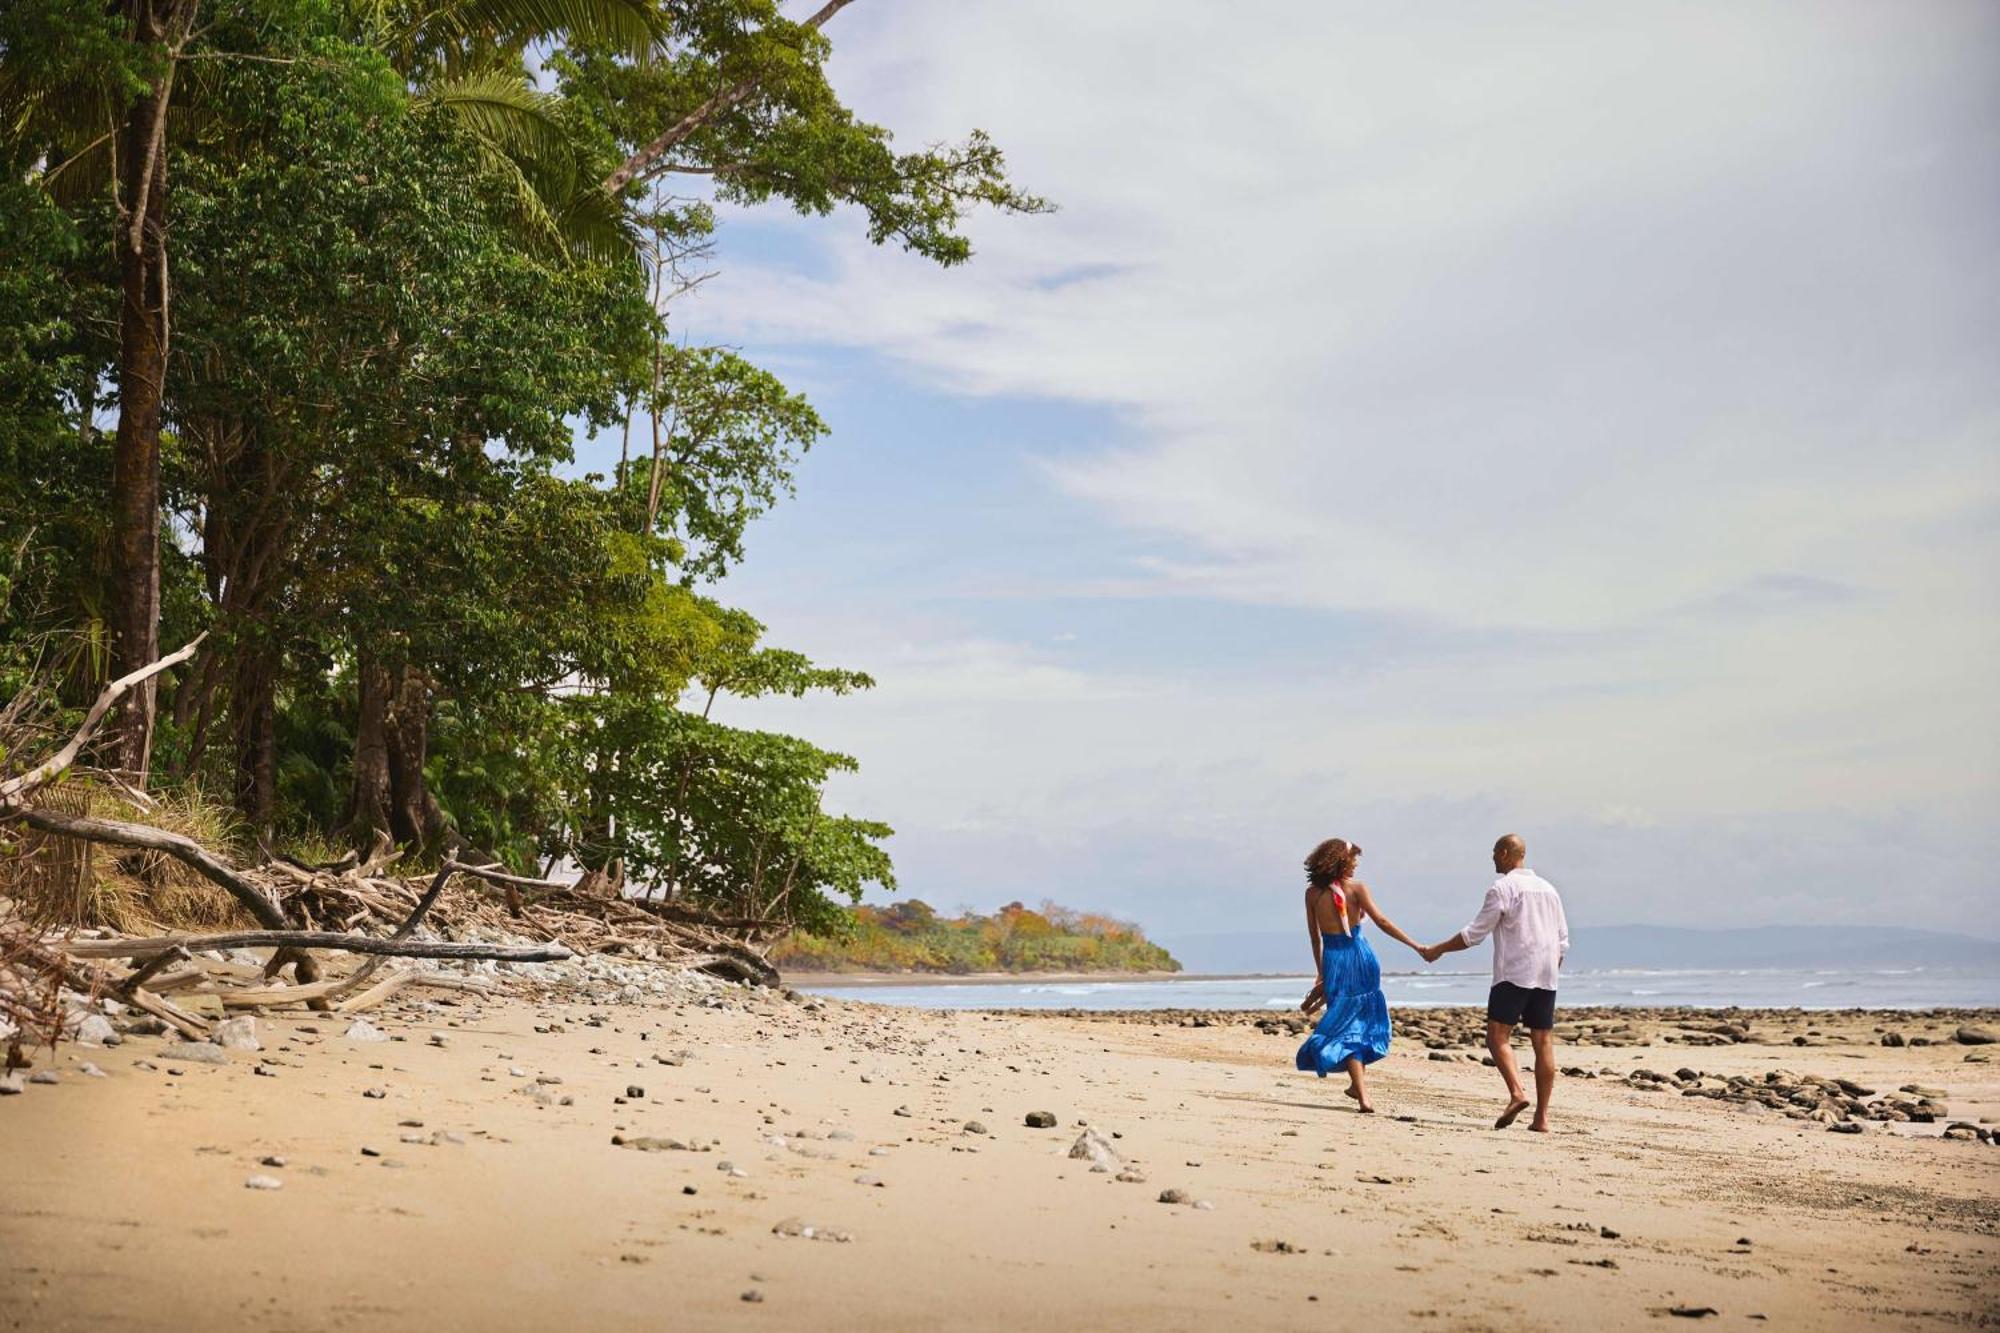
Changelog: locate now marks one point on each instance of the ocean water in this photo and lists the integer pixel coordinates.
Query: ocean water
(1889, 988)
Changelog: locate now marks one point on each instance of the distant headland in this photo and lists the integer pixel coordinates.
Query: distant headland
(910, 937)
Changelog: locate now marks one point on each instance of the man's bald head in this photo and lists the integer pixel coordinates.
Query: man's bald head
(1509, 852)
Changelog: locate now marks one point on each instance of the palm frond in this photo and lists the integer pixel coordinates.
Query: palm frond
(528, 150)
(507, 114)
(632, 27)
(598, 226)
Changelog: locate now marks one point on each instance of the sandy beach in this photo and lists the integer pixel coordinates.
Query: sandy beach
(826, 1164)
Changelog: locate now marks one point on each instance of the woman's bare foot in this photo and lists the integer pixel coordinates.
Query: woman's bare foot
(1513, 1113)
(1355, 1093)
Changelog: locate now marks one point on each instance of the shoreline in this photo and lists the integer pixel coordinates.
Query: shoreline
(869, 980)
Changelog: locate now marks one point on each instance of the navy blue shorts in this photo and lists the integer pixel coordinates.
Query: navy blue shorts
(1515, 1005)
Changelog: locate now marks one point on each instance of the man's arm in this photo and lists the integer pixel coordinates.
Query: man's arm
(1562, 930)
(1482, 925)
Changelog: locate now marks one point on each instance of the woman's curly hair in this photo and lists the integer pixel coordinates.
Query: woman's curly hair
(1331, 862)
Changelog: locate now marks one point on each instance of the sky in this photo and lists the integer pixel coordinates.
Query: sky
(1417, 423)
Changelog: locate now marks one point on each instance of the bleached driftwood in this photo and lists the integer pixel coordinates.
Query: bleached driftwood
(318, 939)
(14, 788)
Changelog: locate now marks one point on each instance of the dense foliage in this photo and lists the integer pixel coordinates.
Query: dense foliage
(911, 937)
(302, 305)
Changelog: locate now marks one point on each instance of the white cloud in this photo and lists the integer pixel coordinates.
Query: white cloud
(1638, 355)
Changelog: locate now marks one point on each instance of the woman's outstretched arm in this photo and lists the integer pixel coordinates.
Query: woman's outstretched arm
(1388, 927)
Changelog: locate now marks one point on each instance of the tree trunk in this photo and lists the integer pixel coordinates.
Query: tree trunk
(142, 369)
(253, 706)
(368, 797)
(416, 819)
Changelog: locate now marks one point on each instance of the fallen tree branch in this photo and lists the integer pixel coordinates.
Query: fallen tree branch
(499, 876)
(315, 939)
(402, 932)
(375, 994)
(146, 970)
(14, 788)
(183, 849)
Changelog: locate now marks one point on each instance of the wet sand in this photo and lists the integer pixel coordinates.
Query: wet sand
(482, 1188)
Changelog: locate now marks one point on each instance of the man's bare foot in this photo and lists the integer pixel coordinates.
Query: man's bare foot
(1540, 1126)
(1512, 1113)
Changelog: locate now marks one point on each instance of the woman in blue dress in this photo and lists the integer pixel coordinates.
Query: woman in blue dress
(1354, 1031)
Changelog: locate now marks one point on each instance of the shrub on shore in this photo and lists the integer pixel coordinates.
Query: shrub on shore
(911, 937)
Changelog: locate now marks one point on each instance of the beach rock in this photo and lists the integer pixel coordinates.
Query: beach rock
(1962, 1132)
(90, 1070)
(792, 1226)
(12, 1084)
(1091, 1146)
(363, 1030)
(195, 1052)
(96, 1030)
(43, 1076)
(273, 1160)
(1445, 1056)
(1892, 1039)
(1041, 1120)
(1175, 1196)
(263, 1183)
(1974, 1035)
(237, 1034)
(975, 1127)
(635, 1092)
(650, 1143)
(753, 1296)
(1130, 1177)
(1844, 1127)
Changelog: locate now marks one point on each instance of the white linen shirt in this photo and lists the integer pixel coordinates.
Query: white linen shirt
(1524, 915)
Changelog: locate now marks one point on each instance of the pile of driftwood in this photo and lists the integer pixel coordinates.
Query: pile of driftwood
(352, 908)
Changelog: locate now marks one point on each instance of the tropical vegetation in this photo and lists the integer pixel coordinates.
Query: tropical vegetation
(303, 306)
(909, 936)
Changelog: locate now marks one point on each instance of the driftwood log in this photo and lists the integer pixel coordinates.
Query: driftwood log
(318, 939)
(402, 932)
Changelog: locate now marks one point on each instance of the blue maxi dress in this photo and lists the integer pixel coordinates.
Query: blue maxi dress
(1356, 1022)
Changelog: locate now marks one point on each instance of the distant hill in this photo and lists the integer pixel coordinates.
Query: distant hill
(1600, 947)
(911, 937)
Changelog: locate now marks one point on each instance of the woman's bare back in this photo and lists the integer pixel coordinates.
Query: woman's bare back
(1334, 911)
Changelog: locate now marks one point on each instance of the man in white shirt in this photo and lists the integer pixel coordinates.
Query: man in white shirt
(1524, 915)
